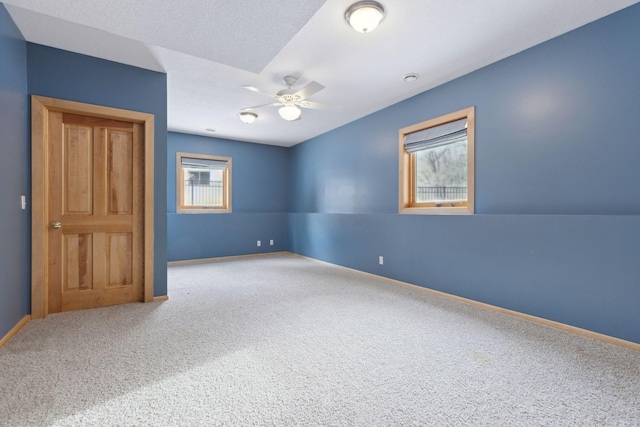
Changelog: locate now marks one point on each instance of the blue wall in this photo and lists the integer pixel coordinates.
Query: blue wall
(61, 74)
(15, 177)
(260, 193)
(557, 198)
(557, 229)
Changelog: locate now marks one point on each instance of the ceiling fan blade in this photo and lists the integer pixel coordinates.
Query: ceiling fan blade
(275, 104)
(255, 89)
(317, 106)
(308, 90)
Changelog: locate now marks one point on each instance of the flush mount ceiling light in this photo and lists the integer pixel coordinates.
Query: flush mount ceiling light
(248, 117)
(290, 112)
(411, 77)
(365, 16)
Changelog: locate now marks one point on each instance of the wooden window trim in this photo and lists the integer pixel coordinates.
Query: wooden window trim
(406, 169)
(226, 186)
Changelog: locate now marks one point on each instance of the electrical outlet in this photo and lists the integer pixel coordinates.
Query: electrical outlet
(259, 243)
(381, 260)
(271, 242)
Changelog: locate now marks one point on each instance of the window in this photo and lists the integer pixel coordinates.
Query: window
(436, 165)
(203, 183)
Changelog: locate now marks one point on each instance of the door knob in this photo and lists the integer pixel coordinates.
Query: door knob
(56, 224)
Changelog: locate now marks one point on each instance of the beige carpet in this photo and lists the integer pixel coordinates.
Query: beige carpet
(281, 340)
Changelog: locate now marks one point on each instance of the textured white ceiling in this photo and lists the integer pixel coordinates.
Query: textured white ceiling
(44, 29)
(209, 49)
(245, 34)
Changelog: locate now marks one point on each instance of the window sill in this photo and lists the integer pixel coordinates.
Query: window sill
(203, 211)
(444, 210)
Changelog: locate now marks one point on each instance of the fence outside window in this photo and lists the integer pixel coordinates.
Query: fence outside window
(430, 194)
(202, 193)
(209, 193)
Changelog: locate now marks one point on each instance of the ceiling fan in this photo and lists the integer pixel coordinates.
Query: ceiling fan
(289, 100)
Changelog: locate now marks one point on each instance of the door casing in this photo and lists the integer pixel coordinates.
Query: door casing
(40, 108)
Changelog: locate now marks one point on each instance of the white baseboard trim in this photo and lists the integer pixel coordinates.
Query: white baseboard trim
(553, 324)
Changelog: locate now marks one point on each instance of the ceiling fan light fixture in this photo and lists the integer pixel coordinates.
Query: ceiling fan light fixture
(248, 117)
(364, 16)
(290, 112)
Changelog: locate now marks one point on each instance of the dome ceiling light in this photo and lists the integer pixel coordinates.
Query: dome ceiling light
(248, 117)
(364, 16)
(411, 77)
(290, 113)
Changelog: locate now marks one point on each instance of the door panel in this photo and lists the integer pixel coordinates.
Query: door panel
(78, 262)
(95, 171)
(120, 172)
(119, 259)
(78, 165)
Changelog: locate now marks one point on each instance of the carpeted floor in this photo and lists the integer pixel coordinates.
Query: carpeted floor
(285, 341)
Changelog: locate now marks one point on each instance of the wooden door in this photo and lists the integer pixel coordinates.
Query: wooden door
(95, 212)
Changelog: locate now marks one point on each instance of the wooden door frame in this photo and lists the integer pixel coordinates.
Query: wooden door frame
(40, 108)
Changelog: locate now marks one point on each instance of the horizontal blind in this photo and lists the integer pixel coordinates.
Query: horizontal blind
(208, 164)
(436, 136)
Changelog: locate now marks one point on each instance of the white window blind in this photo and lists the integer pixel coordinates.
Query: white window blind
(436, 136)
(190, 163)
